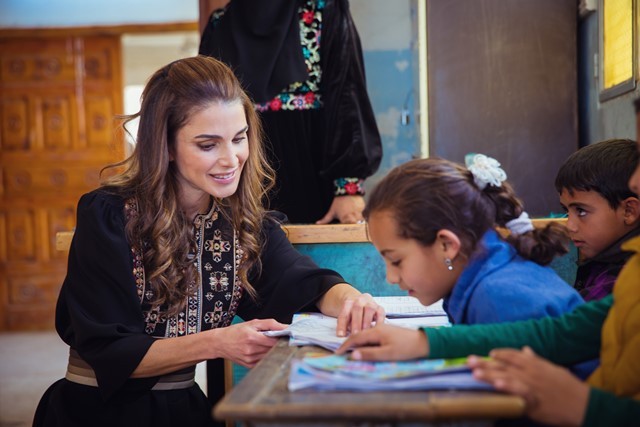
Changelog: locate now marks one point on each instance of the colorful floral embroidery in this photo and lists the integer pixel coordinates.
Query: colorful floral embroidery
(349, 187)
(304, 95)
(217, 14)
(299, 95)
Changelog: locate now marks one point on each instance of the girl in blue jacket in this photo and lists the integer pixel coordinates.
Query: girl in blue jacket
(433, 221)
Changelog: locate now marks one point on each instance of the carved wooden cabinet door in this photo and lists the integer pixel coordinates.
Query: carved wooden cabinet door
(59, 95)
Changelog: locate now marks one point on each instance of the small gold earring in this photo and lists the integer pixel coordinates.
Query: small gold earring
(448, 263)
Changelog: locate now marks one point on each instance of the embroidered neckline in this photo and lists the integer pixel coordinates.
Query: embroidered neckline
(214, 303)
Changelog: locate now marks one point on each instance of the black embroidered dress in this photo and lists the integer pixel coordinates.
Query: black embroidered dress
(104, 313)
(321, 130)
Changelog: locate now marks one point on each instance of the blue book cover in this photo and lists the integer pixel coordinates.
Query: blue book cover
(335, 372)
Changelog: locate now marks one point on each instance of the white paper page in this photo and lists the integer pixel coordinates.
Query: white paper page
(318, 329)
(406, 306)
(419, 322)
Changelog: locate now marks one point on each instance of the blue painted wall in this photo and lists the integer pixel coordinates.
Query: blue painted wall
(388, 34)
(80, 13)
(390, 86)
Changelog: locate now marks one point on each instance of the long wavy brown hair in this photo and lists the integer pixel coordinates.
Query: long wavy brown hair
(428, 195)
(160, 229)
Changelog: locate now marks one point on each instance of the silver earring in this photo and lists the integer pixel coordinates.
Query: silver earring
(448, 263)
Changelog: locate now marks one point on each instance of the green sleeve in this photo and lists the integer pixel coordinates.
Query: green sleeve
(568, 339)
(606, 409)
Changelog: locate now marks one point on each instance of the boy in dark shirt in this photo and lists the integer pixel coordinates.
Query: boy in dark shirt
(593, 185)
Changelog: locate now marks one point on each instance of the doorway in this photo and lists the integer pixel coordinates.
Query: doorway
(142, 55)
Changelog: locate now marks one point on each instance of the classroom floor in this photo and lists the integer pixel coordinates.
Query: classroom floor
(29, 363)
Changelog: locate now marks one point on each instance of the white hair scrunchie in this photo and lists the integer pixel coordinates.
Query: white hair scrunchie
(485, 170)
(520, 225)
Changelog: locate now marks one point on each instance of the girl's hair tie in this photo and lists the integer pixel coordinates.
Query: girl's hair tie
(520, 225)
(485, 170)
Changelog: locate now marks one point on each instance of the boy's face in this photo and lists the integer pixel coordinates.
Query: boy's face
(592, 224)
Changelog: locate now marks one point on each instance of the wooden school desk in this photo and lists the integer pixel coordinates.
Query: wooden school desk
(346, 248)
(262, 399)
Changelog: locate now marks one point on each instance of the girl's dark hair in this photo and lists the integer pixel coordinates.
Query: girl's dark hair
(604, 167)
(160, 229)
(428, 195)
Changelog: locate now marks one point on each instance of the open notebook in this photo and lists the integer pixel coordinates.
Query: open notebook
(406, 306)
(319, 329)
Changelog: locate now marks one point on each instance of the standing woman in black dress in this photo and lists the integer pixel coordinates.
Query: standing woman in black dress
(170, 248)
(301, 62)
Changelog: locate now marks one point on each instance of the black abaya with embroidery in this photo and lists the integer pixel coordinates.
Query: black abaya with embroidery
(104, 313)
(301, 62)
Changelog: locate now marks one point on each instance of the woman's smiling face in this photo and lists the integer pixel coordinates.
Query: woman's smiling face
(210, 153)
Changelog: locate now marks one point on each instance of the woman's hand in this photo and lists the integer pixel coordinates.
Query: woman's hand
(346, 209)
(552, 394)
(355, 311)
(358, 313)
(386, 342)
(244, 343)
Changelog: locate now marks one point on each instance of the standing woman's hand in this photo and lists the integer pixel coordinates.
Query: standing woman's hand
(346, 209)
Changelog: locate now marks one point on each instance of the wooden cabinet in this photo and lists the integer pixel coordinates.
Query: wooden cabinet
(58, 98)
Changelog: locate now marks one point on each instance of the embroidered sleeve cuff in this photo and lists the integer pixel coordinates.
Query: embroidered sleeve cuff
(349, 187)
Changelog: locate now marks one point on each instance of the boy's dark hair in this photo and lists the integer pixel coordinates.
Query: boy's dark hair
(604, 167)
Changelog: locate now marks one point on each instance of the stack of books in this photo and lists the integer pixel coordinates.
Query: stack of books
(341, 373)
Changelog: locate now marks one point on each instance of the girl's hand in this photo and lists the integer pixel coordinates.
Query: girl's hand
(552, 394)
(386, 342)
(358, 313)
(244, 343)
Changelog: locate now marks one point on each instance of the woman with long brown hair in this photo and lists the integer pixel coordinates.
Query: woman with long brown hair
(169, 250)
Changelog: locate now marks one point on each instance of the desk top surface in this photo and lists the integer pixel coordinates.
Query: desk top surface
(263, 396)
